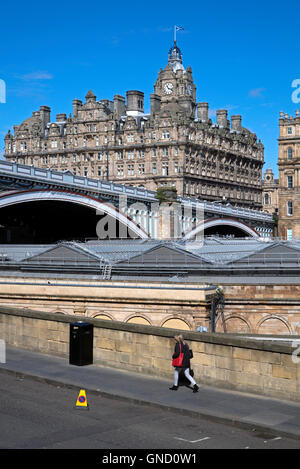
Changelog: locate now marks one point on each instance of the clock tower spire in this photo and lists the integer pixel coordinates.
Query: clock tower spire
(175, 83)
(175, 57)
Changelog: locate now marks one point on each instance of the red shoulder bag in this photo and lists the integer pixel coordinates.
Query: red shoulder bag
(178, 361)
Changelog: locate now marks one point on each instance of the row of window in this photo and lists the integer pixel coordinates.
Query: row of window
(141, 169)
(210, 190)
(130, 155)
(130, 138)
(165, 134)
(192, 188)
(74, 142)
(104, 156)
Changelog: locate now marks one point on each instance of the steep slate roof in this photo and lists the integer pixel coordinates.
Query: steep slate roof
(90, 94)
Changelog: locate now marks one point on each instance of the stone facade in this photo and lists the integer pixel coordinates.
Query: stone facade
(175, 145)
(251, 309)
(221, 360)
(146, 303)
(260, 309)
(289, 176)
(270, 197)
(270, 192)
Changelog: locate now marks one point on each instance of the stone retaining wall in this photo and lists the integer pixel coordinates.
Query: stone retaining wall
(225, 360)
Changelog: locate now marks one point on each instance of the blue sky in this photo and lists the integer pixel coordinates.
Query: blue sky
(244, 56)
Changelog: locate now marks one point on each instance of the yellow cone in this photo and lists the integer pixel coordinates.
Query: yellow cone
(82, 401)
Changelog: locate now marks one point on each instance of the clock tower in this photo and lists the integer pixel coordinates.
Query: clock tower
(175, 83)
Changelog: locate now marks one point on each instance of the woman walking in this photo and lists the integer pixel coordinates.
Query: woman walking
(182, 351)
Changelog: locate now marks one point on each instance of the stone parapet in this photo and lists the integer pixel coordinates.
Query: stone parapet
(227, 360)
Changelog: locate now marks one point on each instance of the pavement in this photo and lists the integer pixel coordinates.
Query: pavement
(236, 408)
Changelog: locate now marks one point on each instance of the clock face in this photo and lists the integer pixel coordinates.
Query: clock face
(168, 88)
(189, 88)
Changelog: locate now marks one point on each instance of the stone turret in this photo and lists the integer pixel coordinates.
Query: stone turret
(90, 97)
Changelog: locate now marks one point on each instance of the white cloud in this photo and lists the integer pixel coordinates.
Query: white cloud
(164, 29)
(256, 92)
(38, 75)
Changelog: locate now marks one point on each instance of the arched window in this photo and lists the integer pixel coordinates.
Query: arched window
(175, 323)
(290, 153)
(267, 199)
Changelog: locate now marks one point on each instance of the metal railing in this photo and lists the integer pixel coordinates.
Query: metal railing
(173, 263)
(50, 175)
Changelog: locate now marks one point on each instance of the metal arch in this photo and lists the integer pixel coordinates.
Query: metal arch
(72, 197)
(222, 222)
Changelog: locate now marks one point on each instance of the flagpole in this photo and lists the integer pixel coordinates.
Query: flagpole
(175, 33)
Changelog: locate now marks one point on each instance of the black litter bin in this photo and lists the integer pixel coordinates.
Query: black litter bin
(81, 343)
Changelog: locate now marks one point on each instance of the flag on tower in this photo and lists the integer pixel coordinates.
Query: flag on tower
(177, 28)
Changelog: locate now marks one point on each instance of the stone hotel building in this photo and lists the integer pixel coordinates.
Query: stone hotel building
(175, 145)
(289, 176)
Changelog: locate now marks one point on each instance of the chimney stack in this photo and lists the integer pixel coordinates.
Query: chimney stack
(222, 118)
(45, 112)
(76, 105)
(202, 112)
(119, 106)
(236, 123)
(135, 103)
(61, 117)
(154, 103)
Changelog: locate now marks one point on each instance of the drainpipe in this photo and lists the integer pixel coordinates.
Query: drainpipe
(213, 314)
